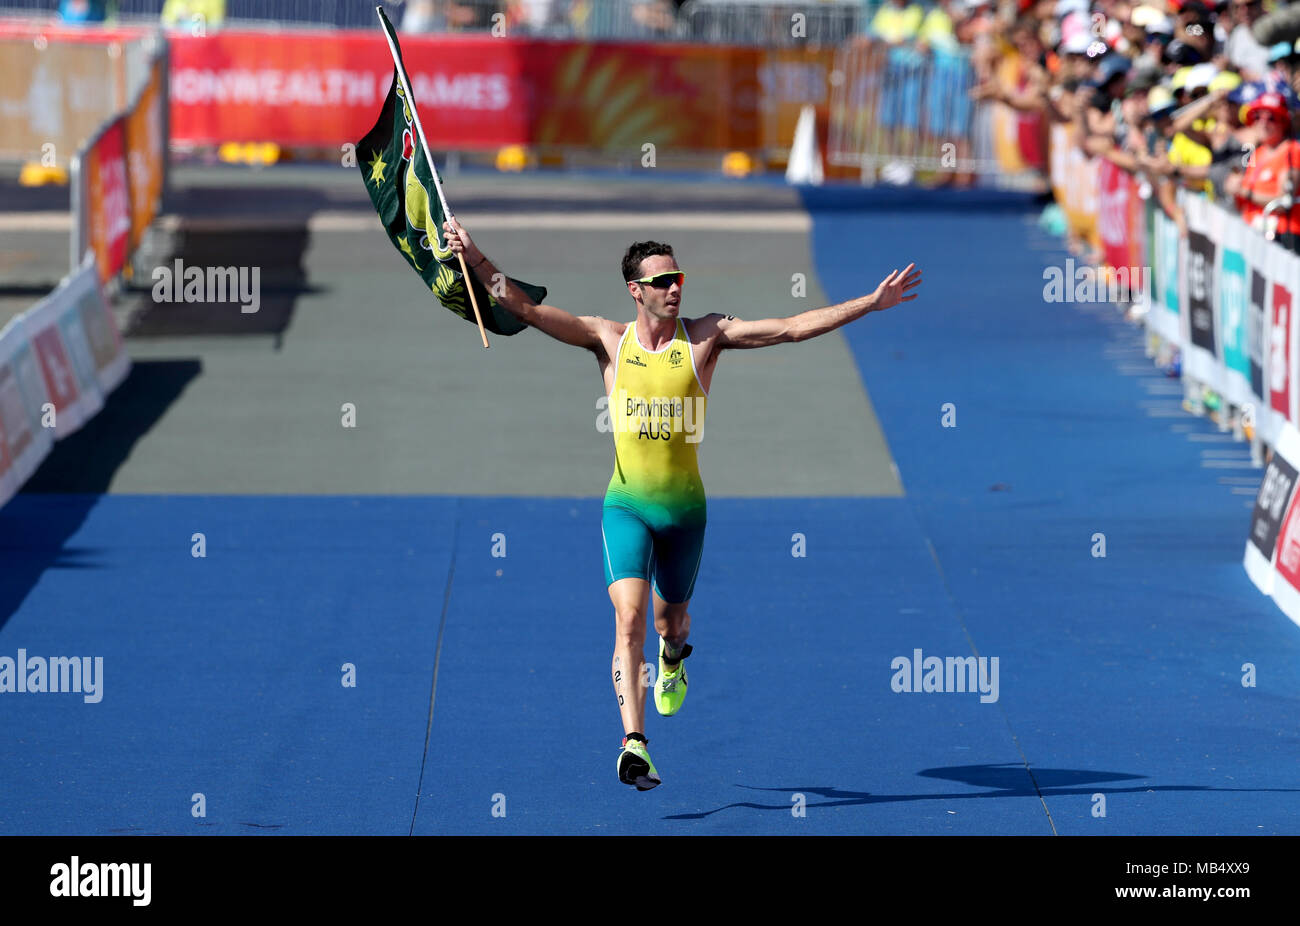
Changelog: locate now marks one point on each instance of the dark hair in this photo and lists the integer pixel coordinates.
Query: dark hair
(639, 251)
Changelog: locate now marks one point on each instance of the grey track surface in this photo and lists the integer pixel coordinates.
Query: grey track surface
(31, 264)
(344, 320)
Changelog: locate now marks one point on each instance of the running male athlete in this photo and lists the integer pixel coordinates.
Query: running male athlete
(657, 372)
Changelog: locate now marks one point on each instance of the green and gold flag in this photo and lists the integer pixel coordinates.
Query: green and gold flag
(401, 186)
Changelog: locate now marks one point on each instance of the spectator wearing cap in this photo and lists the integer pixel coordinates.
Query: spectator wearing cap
(1265, 191)
(1159, 33)
(1128, 142)
(1079, 47)
(1143, 76)
(1196, 28)
(1154, 162)
(1209, 121)
(1134, 28)
(1133, 108)
(1103, 111)
(1179, 54)
(1243, 50)
(1230, 139)
(1294, 61)
(1161, 106)
(1076, 62)
(1189, 150)
(1281, 61)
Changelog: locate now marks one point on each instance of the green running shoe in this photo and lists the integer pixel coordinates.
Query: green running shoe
(635, 767)
(670, 687)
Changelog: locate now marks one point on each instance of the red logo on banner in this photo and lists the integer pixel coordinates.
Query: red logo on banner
(1120, 218)
(1279, 358)
(60, 378)
(1288, 546)
(109, 205)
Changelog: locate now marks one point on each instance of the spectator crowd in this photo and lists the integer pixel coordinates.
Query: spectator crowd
(1180, 93)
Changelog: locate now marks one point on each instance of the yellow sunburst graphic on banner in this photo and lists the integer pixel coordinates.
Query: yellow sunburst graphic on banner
(609, 101)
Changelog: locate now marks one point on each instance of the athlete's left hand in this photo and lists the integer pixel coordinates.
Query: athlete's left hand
(896, 288)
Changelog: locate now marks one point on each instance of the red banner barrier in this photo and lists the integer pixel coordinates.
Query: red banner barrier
(108, 203)
(1120, 216)
(479, 92)
(146, 151)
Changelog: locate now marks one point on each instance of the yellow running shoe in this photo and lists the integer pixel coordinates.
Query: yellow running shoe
(635, 767)
(670, 687)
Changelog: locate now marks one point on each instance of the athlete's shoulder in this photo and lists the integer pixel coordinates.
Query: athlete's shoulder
(610, 333)
(707, 326)
(612, 327)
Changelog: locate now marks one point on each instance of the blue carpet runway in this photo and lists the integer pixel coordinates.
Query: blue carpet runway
(1118, 676)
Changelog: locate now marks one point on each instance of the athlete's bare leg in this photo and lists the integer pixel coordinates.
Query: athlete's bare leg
(672, 622)
(629, 599)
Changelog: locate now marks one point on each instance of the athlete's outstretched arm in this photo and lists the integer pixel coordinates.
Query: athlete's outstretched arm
(580, 331)
(736, 333)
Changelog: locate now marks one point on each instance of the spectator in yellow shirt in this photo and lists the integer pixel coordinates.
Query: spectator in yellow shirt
(179, 14)
(897, 22)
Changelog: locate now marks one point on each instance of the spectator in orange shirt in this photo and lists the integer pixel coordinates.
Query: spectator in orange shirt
(1265, 191)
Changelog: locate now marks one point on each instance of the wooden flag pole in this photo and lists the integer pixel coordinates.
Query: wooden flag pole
(433, 170)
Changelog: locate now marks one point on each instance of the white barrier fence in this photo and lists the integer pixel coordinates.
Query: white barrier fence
(58, 361)
(1225, 296)
(1272, 557)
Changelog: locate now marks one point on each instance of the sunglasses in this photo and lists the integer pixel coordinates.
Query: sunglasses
(664, 280)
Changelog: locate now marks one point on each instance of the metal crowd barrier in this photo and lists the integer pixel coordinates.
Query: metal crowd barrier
(765, 23)
(896, 111)
(773, 24)
(585, 18)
